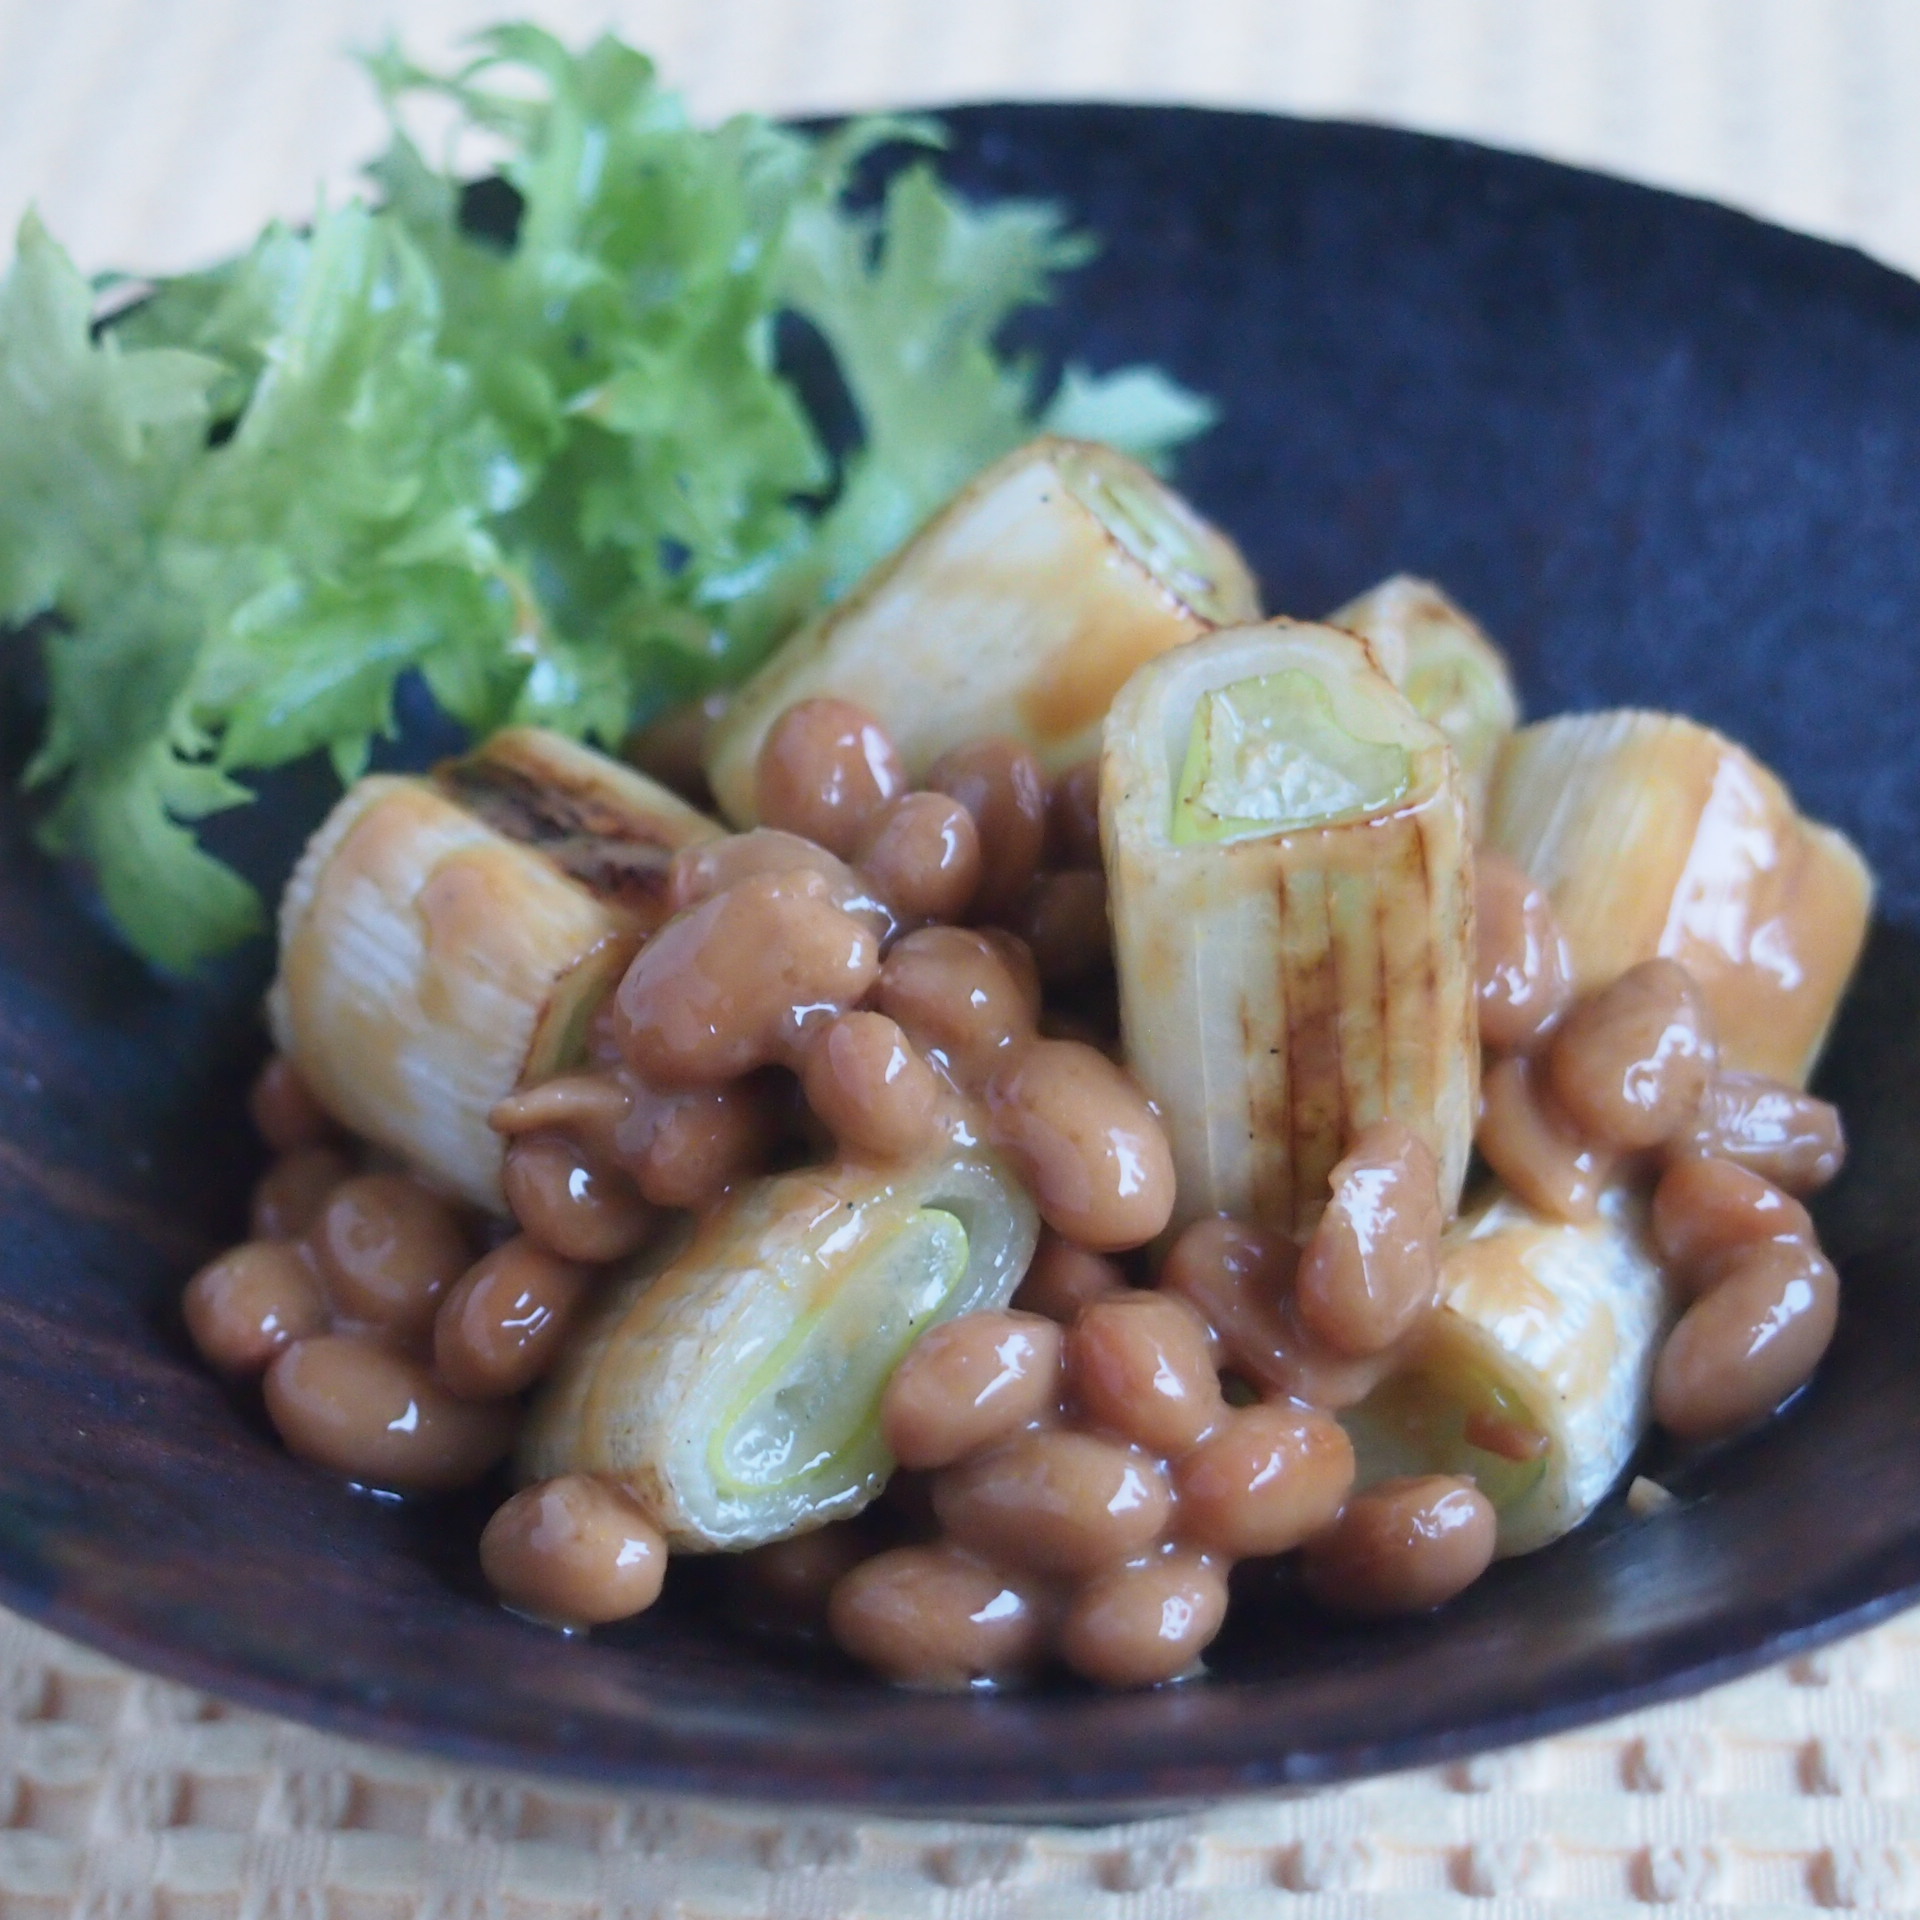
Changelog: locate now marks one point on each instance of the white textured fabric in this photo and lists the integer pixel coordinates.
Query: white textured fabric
(123, 1798)
(157, 133)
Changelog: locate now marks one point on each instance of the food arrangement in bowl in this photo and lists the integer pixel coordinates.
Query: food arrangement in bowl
(996, 1187)
(1060, 1081)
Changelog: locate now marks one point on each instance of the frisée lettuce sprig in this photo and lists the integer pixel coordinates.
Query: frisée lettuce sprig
(562, 474)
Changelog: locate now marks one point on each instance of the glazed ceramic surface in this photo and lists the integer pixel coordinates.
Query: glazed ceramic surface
(1671, 458)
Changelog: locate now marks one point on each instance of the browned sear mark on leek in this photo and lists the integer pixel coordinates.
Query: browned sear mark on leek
(585, 838)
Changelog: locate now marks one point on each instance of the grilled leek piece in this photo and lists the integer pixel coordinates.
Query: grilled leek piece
(1657, 837)
(1451, 672)
(1291, 892)
(439, 947)
(732, 1381)
(609, 827)
(1534, 1375)
(1019, 609)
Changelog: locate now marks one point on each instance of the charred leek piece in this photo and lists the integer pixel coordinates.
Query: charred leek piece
(1292, 901)
(1534, 1375)
(1451, 672)
(430, 963)
(611, 828)
(733, 1380)
(1657, 837)
(1020, 609)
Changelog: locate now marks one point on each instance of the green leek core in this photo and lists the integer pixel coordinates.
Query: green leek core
(1450, 684)
(1416, 1423)
(814, 1403)
(1270, 755)
(1151, 526)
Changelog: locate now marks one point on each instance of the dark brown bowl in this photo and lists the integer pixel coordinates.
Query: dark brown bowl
(1672, 457)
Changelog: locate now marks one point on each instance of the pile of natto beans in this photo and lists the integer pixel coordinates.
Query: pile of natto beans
(876, 974)
(1626, 1084)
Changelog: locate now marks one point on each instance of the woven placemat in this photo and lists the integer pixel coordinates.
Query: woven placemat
(127, 1797)
(158, 133)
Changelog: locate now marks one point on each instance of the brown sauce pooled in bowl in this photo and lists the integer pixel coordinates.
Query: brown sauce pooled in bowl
(873, 976)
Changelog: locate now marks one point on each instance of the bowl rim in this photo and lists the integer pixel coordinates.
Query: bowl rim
(746, 1774)
(1675, 1664)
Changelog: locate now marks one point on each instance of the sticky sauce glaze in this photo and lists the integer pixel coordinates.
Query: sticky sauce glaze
(1626, 1083)
(792, 1004)
(864, 981)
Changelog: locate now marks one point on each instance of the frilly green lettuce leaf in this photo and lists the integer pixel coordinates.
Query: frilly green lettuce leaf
(93, 440)
(560, 474)
(1139, 410)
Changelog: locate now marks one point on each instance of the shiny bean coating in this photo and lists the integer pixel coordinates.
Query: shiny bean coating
(937, 1617)
(284, 1110)
(1534, 1148)
(359, 1407)
(571, 1204)
(1058, 1503)
(711, 867)
(1271, 1477)
(1373, 1264)
(1064, 1278)
(1747, 1343)
(1235, 1276)
(1402, 1546)
(1138, 1365)
(686, 1149)
(969, 1383)
(1087, 1144)
(869, 1087)
(575, 1552)
(1702, 1208)
(826, 769)
(1630, 1063)
(1524, 972)
(388, 1250)
(1240, 1280)
(1304, 1368)
(954, 995)
(1000, 783)
(922, 853)
(733, 983)
(589, 1108)
(1079, 1471)
(1139, 1625)
(501, 1327)
(1776, 1131)
(1017, 957)
(292, 1191)
(254, 1300)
